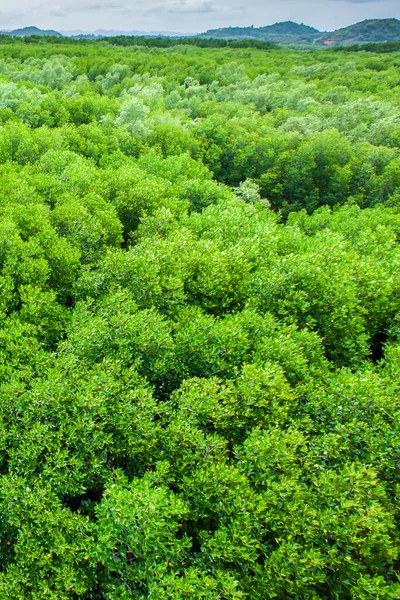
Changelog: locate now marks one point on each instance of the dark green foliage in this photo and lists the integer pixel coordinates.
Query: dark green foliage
(378, 47)
(199, 322)
(170, 42)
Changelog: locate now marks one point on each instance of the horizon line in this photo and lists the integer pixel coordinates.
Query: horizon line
(70, 32)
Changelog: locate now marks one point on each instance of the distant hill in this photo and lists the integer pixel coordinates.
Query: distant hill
(28, 31)
(286, 32)
(369, 31)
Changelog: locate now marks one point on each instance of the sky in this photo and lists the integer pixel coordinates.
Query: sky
(188, 16)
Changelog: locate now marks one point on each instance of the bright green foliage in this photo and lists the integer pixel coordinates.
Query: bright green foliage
(199, 322)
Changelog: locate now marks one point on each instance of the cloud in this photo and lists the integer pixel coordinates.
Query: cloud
(9, 17)
(56, 11)
(68, 7)
(183, 7)
(188, 15)
(360, 1)
(101, 6)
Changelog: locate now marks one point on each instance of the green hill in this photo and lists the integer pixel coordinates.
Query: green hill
(28, 31)
(285, 32)
(371, 30)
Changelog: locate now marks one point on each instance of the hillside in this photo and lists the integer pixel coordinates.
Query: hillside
(28, 31)
(374, 30)
(285, 32)
(371, 30)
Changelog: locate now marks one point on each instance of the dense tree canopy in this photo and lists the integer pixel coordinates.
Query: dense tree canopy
(199, 323)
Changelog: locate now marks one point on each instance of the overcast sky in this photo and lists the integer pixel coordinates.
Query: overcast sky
(188, 15)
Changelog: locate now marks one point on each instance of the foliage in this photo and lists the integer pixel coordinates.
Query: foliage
(199, 322)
